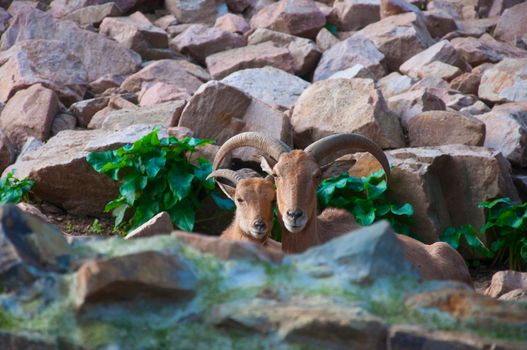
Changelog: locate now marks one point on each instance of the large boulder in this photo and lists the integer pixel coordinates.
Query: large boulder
(512, 24)
(355, 14)
(29, 112)
(224, 63)
(507, 131)
(98, 54)
(505, 82)
(47, 62)
(346, 54)
(345, 105)
(273, 86)
(295, 17)
(485, 49)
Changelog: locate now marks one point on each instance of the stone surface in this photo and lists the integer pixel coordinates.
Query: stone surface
(436, 128)
(357, 71)
(159, 92)
(413, 102)
(507, 131)
(395, 7)
(468, 83)
(85, 109)
(116, 139)
(345, 105)
(512, 23)
(394, 84)
(201, 41)
(485, 49)
(166, 71)
(63, 121)
(46, 62)
(355, 14)
(7, 151)
(305, 52)
(346, 54)
(193, 11)
(29, 112)
(295, 17)
(93, 15)
(505, 82)
(224, 63)
(475, 109)
(325, 39)
(398, 37)
(439, 70)
(218, 111)
(98, 54)
(440, 23)
(506, 281)
(107, 81)
(232, 23)
(158, 225)
(63, 177)
(273, 86)
(61, 8)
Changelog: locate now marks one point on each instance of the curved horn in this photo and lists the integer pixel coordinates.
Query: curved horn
(226, 174)
(266, 144)
(335, 146)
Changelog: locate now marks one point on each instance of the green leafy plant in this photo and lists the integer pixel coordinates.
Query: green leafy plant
(331, 27)
(505, 228)
(365, 198)
(95, 227)
(156, 175)
(13, 190)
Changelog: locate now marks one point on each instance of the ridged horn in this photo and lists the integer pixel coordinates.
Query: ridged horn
(266, 144)
(335, 146)
(226, 174)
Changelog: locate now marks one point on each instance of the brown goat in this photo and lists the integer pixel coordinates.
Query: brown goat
(254, 198)
(297, 174)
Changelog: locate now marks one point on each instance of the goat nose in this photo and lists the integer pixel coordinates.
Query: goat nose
(295, 214)
(259, 225)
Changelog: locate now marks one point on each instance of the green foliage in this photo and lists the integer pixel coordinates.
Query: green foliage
(331, 27)
(156, 175)
(505, 227)
(95, 227)
(13, 190)
(365, 199)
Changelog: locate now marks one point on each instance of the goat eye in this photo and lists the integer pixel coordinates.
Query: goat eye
(239, 200)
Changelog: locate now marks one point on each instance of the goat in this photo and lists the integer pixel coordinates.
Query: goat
(297, 174)
(254, 198)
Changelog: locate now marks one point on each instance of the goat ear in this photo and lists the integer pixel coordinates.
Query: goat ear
(228, 190)
(264, 164)
(336, 167)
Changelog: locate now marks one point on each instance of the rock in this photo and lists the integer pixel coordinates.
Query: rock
(29, 248)
(166, 114)
(134, 32)
(395, 7)
(440, 23)
(166, 71)
(29, 112)
(436, 128)
(98, 54)
(439, 70)
(305, 53)
(507, 131)
(355, 14)
(413, 102)
(61, 8)
(232, 23)
(45, 62)
(506, 281)
(347, 53)
(512, 23)
(295, 17)
(394, 84)
(270, 85)
(345, 105)
(31, 145)
(63, 121)
(459, 10)
(200, 41)
(474, 27)
(325, 39)
(442, 51)
(159, 224)
(398, 37)
(485, 49)
(159, 92)
(4, 20)
(107, 81)
(497, 7)
(122, 137)
(505, 82)
(7, 151)
(166, 21)
(63, 177)
(84, 110)
(515, 294)
(93, 15)
(218, 111)
(475, 109)
(193, 11)
(126, 277)
(468, 83)
(224, 63)
(357, 71)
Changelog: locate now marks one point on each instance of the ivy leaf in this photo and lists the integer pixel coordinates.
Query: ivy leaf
(154, 165)
(451, 236)
(179, 181)
(495, 202)
(183, 216)
(364, 212)
(405, 209)
(222, 203)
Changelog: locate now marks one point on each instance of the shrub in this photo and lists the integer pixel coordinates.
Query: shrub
(13, 190)
(365, 199)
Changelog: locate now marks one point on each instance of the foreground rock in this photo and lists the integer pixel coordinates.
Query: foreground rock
(506, 281)
(158, 225)
(345, 105)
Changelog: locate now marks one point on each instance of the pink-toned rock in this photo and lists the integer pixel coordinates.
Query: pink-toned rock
(232, 23)
(158, 225)
(440, 23)
(325, 39)
(7, 151)
(413, 102)
(84, 110)
(106, 82)
(63, 121)
(485, 49)
(394, 84)
(93, 15)
(506, 281)
(395, 7)
(347, 53)
(345, 105)
(512, 24)
(437, 128)
(468, 83)
(505, 82)
(440, 70)
(46, 62)
(304, 51)
(166, 71)
(61, 8)
(224, 63)
(166, 21)
(238, 6)
(498, 6)
(159, 92)
(355, 14)
(4, 20)
(507, 131)
(98, 54)
(295, 17)
(459, 10)
(399, 37)
(201, 41)
(193, 11)
(29, 112)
